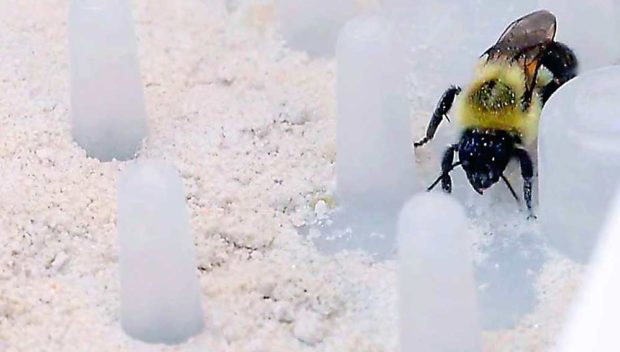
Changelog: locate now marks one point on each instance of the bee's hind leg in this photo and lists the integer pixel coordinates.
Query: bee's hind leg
(441, 112)
(527, 172)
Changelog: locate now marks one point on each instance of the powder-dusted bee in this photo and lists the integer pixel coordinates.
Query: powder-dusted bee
(499, 110)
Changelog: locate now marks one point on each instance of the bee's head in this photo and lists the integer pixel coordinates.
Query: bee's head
(484, 155)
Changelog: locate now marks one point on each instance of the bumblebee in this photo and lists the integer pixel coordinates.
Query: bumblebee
(499, 110)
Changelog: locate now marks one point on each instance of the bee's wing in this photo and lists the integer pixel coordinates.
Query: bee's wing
(524, 41)
(526, 36)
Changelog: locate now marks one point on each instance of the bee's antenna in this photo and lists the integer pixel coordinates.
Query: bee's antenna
(514, 194)
(442, 175)
(435, 183)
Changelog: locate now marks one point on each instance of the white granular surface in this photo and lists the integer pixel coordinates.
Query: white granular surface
(251, 127)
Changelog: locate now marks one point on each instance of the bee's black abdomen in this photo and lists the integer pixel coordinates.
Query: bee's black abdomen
(560, 60)
(563, 64)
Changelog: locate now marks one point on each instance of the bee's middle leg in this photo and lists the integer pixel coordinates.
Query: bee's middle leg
(446, 167)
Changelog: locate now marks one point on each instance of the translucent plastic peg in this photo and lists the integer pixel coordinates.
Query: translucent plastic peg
(579, 156)
(438, 309)
(108, 116)
(313, 25)
(375, 163)
(160, 293)
(594, 319)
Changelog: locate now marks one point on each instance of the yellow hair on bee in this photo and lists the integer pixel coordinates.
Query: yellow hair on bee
(499, 107)
(544, 77)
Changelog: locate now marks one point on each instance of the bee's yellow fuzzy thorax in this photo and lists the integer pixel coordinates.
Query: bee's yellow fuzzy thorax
(499, 109)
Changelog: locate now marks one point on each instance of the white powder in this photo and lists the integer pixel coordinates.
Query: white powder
(251, 127)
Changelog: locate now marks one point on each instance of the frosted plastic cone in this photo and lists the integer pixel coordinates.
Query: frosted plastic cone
(108, 117)
(160, 293)
(579, 160)
(438, 308)
(594, 319)
(375, 162)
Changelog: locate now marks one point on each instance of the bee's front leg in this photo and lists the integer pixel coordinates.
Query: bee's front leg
(441, 112)
(527, 172)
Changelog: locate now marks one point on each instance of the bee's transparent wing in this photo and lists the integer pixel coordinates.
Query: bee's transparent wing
(525, 41)
(526, 36)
